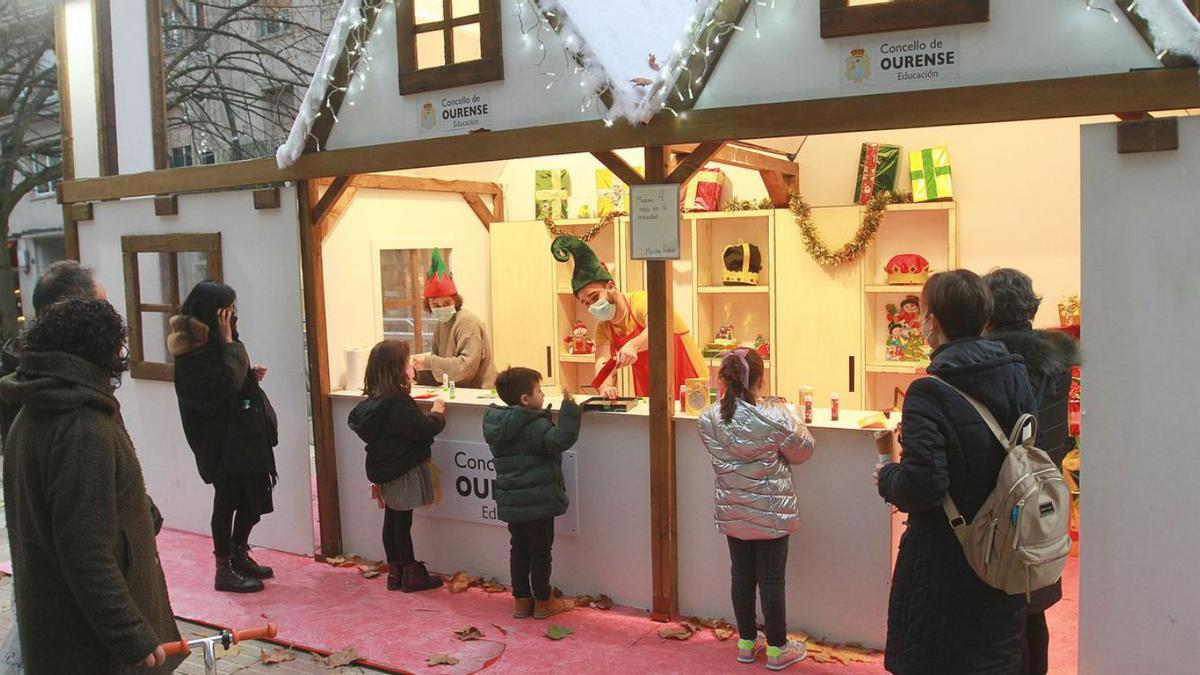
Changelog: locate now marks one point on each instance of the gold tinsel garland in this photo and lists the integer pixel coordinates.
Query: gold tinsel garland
(872, 217)
(588, 234)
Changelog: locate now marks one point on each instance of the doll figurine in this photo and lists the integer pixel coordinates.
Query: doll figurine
(578, 341)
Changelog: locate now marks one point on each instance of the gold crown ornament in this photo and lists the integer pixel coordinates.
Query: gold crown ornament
(742, 262)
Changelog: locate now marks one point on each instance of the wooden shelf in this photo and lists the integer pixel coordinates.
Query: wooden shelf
(733, 290)
(897, 367)
(923, 206)
(908, 289)
(566, 291)
(725, 215)
(577, 358)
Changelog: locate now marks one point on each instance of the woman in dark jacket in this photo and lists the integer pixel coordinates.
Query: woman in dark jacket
(1049, 357)
(942, 618)
(399, 439)
(90, 593)
(230, 426)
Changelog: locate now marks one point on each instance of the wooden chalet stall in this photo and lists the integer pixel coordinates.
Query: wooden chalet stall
(404, 144)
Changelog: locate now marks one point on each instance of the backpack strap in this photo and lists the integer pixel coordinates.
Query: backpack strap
(957, 521)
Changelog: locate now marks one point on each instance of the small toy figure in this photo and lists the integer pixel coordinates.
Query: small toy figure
(722, 342)
(578, 341)
(585, 211)
(895, 342)
(762, 347)
(725, 335)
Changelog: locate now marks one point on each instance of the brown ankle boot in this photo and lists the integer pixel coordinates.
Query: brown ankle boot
(544, 609)
(522, 608)
(414, 578)
(395, 576)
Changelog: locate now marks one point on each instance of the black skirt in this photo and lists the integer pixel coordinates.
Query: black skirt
(248, 494)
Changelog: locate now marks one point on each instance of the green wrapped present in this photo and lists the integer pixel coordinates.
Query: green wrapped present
(930, 171)
(877, 168)
(551, 187)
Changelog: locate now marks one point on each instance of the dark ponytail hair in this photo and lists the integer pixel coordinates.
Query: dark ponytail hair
(203, 303)
(741, 371)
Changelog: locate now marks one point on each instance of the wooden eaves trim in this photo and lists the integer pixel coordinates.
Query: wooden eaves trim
(343, 70)
(1157, 89)
(341, 189)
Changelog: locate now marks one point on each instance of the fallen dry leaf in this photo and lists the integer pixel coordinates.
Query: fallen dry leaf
(441, 660)
(676, 632)
(336, 561)
(468, 633)
(276, 655)
(695, 623)
(370, 574)
(492, 585)
(822, 652)
(603, 602)
(459, 582)
(558, 632)
(583, 600)
(723, 631)
(345, 657)
(501, 629)
(848, 654)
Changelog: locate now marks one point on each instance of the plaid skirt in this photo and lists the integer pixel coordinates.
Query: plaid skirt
(412, 490)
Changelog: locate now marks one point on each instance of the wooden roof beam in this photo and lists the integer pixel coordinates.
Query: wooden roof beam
(695, 160)
(745, 157)
(619, 167)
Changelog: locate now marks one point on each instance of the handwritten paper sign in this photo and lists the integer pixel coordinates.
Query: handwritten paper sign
(655, 222)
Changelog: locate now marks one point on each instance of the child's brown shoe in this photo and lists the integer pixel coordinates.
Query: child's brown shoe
(522, 608)
(544, 609)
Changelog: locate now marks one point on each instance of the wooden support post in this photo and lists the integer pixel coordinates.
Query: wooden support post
(332, 194)
(312, 268)
(777, 187)
(619, 167)
(693, 162)
(480, 209)
(1153, 134)
(660, 322)
(166, 205)
(266, 198)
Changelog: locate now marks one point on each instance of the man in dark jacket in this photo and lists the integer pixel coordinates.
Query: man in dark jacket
(65, 279)
(1049, 357)
(530, 491)
(942, 618)
(90, 593)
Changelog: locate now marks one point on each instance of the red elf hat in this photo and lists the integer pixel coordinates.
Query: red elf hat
(439, 283)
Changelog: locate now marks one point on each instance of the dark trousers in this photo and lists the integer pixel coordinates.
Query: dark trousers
(232, 519)
(761, 565)
(1037, 644)
(397, 536)
(529, 558)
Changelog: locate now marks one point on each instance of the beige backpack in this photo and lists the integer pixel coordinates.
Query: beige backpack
(1018, 541)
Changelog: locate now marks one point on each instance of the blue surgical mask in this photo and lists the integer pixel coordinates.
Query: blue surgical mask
(602, 309)
(443, 314)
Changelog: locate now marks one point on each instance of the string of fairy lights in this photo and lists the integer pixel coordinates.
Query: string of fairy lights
(676, 80)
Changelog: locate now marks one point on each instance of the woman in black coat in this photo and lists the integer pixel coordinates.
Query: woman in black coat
(942, 618)
(230, 426)
(1049, 357)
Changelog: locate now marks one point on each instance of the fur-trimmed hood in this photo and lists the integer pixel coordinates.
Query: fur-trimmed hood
(187, 335)
(1046, 353)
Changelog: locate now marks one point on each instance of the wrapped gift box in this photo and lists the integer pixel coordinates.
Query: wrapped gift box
(877, 168)
(551, 187)
(611, 193)
(704, 191)
(930, 171)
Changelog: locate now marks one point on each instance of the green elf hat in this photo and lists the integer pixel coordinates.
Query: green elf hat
(588, 268)
(439, 283)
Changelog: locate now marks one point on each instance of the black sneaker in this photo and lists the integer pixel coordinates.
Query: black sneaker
(229, 581)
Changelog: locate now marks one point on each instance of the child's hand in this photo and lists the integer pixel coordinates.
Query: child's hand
(260, 373)
(439, 406)
(567, 395)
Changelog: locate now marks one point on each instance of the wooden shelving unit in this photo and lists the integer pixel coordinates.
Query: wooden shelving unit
(929, 229)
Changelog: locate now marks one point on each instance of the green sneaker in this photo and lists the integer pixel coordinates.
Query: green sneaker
(748, 650)
(790, 655)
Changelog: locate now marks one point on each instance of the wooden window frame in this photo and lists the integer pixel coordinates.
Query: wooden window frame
(172, 245)
(488, 68)
(417, 302)
(839, 19)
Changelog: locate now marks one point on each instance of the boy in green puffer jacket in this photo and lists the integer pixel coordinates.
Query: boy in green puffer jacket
(529, 488)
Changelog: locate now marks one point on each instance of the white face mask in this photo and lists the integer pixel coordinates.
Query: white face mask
(443, 314)
(602, 309)
(927, 331)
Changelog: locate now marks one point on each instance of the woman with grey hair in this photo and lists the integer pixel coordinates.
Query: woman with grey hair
(1049, 357)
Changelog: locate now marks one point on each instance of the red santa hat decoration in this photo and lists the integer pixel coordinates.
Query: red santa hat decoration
(439, 283)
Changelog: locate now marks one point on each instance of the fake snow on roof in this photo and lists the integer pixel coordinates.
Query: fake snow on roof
(634, 50)
(1174, 28)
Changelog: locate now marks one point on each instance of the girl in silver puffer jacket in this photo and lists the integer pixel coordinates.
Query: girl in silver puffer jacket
(752, 446)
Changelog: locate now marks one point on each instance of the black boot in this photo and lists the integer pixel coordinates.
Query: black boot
(245, 565)
(417, 578)
(395, 576)
(229, 581)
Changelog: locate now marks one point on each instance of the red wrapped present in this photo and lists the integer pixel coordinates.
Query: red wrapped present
(704, 191)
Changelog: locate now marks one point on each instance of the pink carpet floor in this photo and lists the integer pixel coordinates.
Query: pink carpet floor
(325, 608)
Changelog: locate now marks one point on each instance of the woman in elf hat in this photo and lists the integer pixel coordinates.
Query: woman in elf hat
(461, 349)
(621, 332)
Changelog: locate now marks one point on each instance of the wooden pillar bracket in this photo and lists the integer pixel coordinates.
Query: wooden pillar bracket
(1154, 134)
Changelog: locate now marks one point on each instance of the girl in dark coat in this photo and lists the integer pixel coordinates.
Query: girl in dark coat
(942, 618)
(399, 439)
(90, 593)
(1049, 357)
(230, 426)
